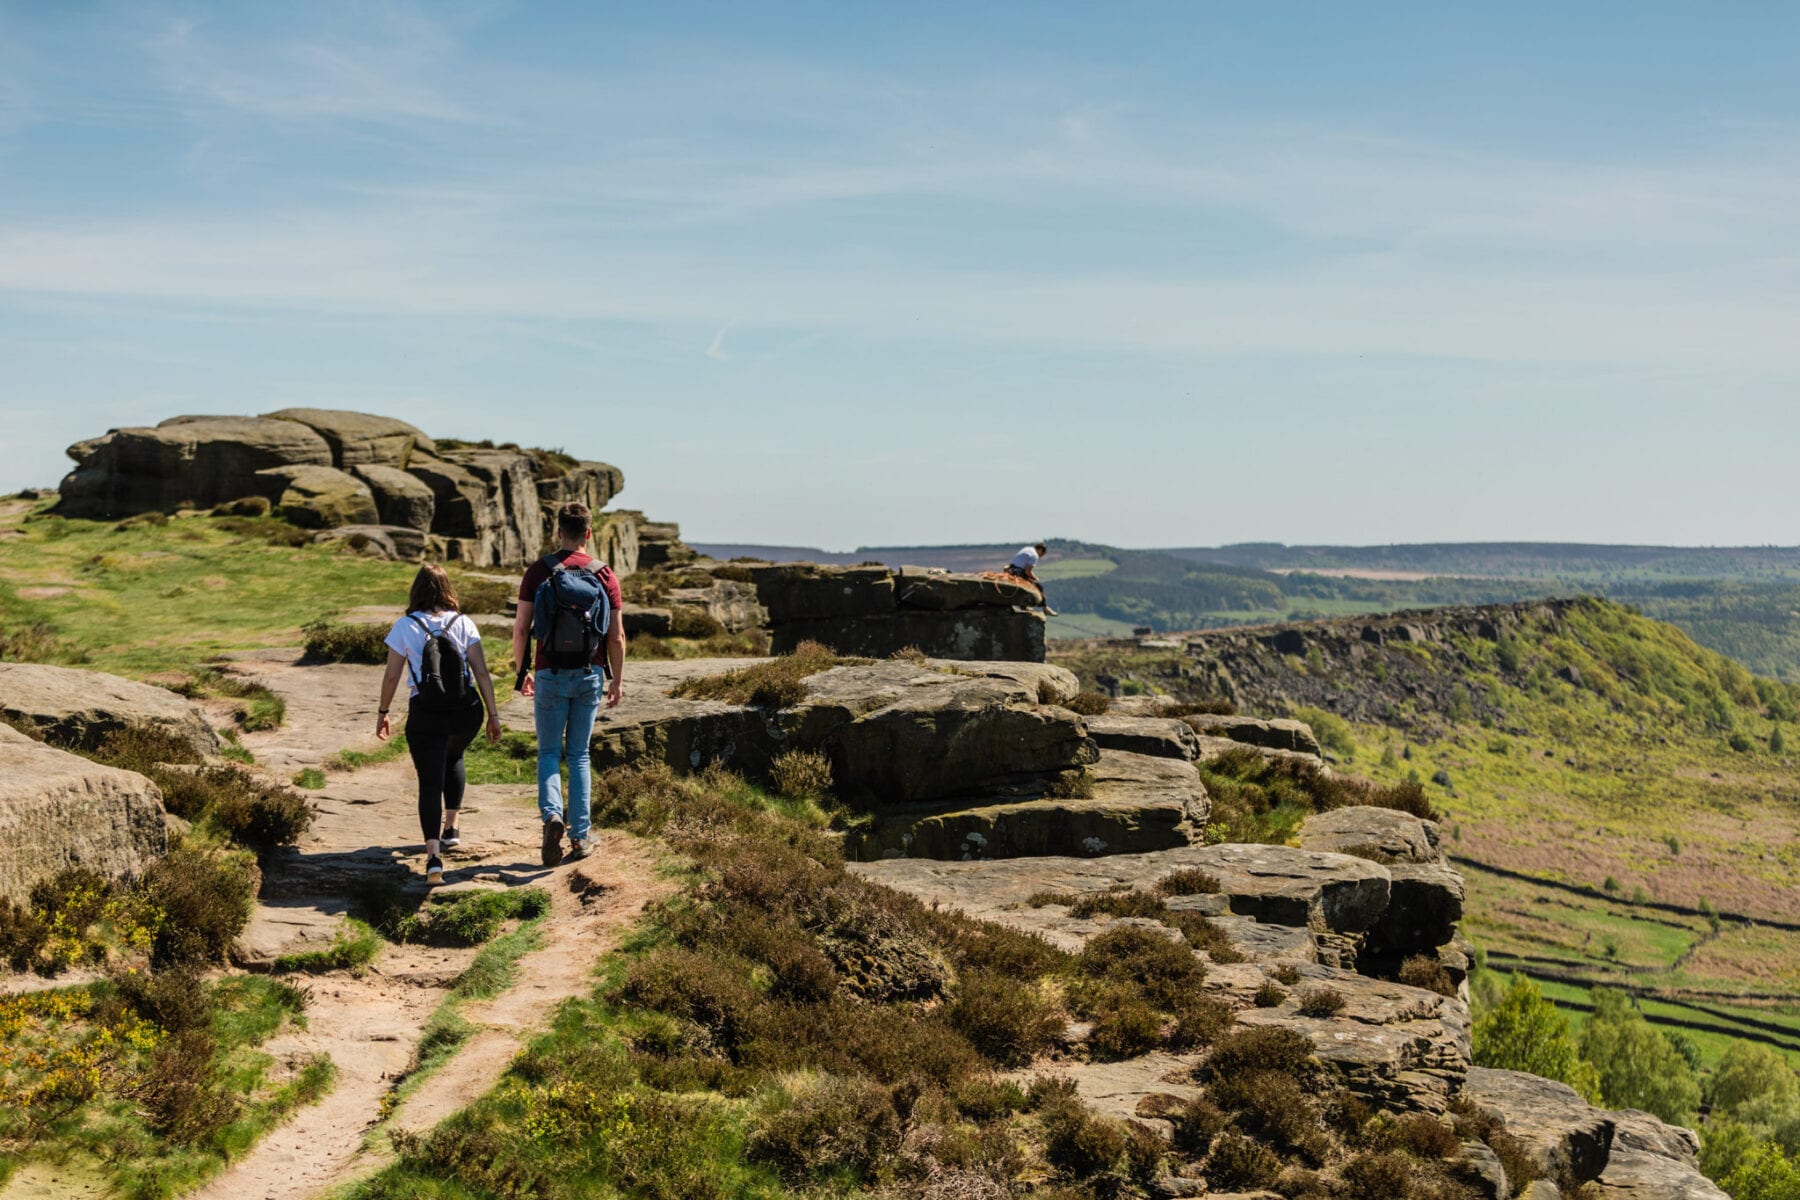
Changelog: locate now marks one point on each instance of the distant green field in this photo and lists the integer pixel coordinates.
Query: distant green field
(1076, 568)
(1067, 626)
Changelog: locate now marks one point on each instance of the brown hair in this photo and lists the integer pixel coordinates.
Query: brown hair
(431, 591)
(573, 519)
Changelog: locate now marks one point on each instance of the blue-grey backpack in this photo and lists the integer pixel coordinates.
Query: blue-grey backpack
(571, 612)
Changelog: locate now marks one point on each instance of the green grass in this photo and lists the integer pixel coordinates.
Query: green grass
(1067, 626)
(150, 599)
(355, 760)
(354, 947)
(1076, 568)
(309, 777)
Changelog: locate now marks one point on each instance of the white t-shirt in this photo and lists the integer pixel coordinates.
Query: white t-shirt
(1026, 558)
(409, 639)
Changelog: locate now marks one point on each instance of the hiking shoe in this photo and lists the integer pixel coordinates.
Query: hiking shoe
(1049, 612)
(434, 869)
(553, 849)
(449, 839)
(578, 848)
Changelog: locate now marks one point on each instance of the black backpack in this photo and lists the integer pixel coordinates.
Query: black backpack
(442, 676)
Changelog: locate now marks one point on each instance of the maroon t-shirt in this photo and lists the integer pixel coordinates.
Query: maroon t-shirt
(535, 575)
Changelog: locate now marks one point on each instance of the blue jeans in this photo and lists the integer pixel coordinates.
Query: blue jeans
(566, 702)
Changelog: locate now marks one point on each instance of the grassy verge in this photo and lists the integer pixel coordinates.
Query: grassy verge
(354, 948)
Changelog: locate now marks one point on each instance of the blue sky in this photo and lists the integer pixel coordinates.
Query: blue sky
(843, 274)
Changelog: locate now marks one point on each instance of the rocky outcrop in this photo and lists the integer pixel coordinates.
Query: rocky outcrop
(486, 506)
(59, 810)
(78, 709)
(318, 497)
(1280, 734)
(360, 439)
(198, 461)
(897, 733)
(1426, 902)
(878, 611)
(1162, 737)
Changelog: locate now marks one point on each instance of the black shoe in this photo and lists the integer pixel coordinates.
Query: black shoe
(449, 840)
(553, 849)
(434, 869)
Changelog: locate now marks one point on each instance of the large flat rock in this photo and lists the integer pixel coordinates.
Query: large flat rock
(60, 810)
(897, 733)
(79, 708)
(1280, 734)
(360, 439)
(1139, 804)
(1272, 884)
(1392, 835)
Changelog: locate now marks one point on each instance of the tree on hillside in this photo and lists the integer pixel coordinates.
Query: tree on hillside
(1525, 1032)
(1749, 1071)
(1636, 1065)
(1763, 1173)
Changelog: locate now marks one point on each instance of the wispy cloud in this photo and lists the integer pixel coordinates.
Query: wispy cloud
(715, 349)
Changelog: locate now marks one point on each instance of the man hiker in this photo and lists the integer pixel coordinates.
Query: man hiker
(569, 612)
(1024, 566)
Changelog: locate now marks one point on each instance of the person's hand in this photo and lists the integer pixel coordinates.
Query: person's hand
(384, 728)
(493, 729)
(615, 691)
(529, 687)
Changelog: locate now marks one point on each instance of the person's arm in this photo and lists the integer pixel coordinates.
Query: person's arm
(478, 661)
(615, 661)
(390, 682)
(521, 646)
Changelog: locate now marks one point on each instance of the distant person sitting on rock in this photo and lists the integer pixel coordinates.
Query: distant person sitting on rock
(569, 605)
(440, 650)
(1024, 566)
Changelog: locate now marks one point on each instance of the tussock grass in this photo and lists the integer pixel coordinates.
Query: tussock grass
(354, 948)
(779, 683)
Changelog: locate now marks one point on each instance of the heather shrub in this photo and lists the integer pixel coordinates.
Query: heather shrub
(834, 1125)
(205, 899)
(1188, 881)
(1239, 1164)
(1259, 1048)
(1125, 1026)
(1425, 971)
(1117, 904)
(1006, 1019)
(1322, 1001)
(800, 775)
(1088, 704)
(1200, 1021)
(1163, 968)
(1196, 1123)
(779, 683)
(1268, 995)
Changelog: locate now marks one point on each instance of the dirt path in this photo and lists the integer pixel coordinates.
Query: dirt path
(366, 829)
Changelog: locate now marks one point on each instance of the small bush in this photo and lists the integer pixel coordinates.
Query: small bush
(1166, 970)
(1239, 1164)
(1421, 1136)
(1203, 933)
(1377, 1176)
(988, 1099)
(180, 1091)
(310, 778)
(836, 1125)
(1321, 1001)
(1269, 1105)
(142, 748)
(1117, 904)
(1287, 973)
(205, 900)
(477, 595)
(1216, 707)
(1006, 1019)
(1081, 1144)
(1269, 995)
(1189, 881)
(1200, 1021)
(1197, 1122)
(1125, 1028)
(780, 683)
(36, 642)
(1089, 704)
(252, 811)
(801, 775)
(337, 642)
(1260, 1048)
(1425, 971)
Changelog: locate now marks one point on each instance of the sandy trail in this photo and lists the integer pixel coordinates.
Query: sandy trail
(366, 828)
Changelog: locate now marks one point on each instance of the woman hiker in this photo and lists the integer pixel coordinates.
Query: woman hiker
(439, 649)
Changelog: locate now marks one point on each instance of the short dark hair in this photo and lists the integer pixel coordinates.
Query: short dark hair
(574, 519)
(1041, 548)
(431, 591)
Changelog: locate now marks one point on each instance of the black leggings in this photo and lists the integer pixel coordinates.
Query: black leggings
(436, 742)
